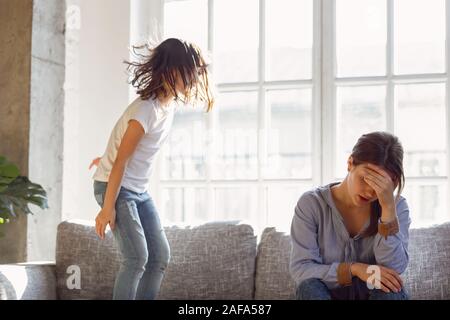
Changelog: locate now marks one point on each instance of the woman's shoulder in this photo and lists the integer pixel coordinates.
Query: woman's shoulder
(314, 198)
(402, 204)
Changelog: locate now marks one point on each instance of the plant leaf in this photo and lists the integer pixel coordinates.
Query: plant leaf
(8, 170)
(21, 192)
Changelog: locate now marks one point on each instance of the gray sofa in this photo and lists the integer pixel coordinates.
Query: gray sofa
(219, 260)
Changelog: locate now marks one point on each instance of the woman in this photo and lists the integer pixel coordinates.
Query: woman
(350, 238)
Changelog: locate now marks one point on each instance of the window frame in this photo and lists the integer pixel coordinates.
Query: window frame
(331, 82)
(324, 85)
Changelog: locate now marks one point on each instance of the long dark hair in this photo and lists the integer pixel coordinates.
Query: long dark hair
(163, 63)
(385, 150)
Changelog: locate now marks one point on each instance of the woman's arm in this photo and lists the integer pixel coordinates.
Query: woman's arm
(130, 140)
(391, 242)
(391, 249)
(305, 259)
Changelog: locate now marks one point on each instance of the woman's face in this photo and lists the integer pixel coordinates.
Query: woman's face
(360, 192)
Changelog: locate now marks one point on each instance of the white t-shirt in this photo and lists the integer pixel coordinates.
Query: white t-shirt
(156, 121)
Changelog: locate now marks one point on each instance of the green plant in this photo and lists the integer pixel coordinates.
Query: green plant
(17, 192)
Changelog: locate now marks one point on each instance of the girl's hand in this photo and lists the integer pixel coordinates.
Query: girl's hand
(104, 218)
(95, 161)
(383, 185)
(389, 280)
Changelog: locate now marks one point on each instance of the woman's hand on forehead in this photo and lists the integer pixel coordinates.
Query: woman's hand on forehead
(378, 170)
(383, 185)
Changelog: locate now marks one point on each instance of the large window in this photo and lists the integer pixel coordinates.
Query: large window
(299, 81)
(390, 73)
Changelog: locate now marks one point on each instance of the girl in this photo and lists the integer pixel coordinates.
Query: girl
(175, 70)
(351, 236)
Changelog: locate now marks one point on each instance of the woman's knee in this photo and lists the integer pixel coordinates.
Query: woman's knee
(377, 294)
(312, 289)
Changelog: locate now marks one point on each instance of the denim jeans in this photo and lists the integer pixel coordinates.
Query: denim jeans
(315, 289)
(142, 242)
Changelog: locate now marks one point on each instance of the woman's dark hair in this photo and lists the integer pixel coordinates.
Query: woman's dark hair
(385, 150)
(171, 58)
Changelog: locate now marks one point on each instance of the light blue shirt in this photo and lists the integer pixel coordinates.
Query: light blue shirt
(320, 240)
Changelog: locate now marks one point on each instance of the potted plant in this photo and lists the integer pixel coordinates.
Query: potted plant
(17, 192)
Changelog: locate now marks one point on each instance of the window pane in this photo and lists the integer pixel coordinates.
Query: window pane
(282, 202)
(184, 205)
(289, 138)
(360, 110)
(421, 128)
(185, 151)
(427, 202)
(237, 204)
(236, 40)
(289, 32)
(419, 36)
(360, 37)
(236, 142)
(178, 21)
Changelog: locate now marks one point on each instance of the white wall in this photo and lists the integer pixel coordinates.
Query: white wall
(45, 164)
(96, 94)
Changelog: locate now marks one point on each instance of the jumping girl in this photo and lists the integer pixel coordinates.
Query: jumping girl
(174, 71)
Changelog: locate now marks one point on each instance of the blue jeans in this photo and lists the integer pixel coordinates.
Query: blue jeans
(315, 289)
(142, 242)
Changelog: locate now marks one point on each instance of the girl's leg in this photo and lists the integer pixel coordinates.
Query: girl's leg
(158, 251)
(130, 238)
(313, 289)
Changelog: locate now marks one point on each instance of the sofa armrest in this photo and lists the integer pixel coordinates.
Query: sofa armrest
(28, 281)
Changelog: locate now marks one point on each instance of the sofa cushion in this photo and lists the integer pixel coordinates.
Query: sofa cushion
(427, 275)
(428, 272)
(28, 281)
(79, 249)
(210, 261)
(273, 281)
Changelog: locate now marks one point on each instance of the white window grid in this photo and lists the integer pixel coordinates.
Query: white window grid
(330, 83)
(323, 84)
